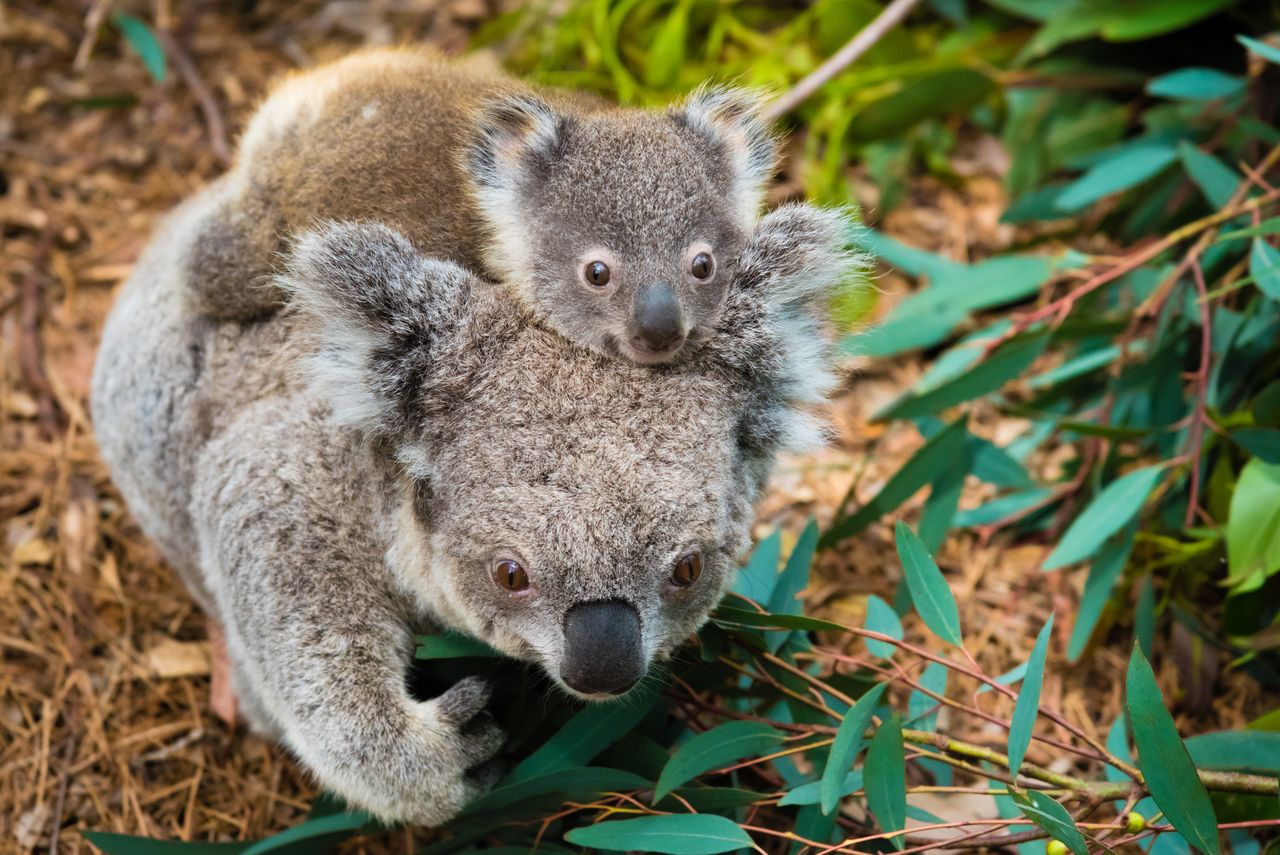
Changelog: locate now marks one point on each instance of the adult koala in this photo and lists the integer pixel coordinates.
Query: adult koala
(408, 448)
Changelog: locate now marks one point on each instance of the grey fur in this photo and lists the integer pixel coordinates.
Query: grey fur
(334, 478)
(525, 186)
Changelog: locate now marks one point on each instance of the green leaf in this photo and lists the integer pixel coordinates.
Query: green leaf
(144, 43)
(580, 782)
(585, 735)
(883, 619)
(933, 458)
(1119, 172)
(885, 774)
(1253, 522)
(1255, 751)
(1003, 507)
(1111, 510)
(673, 834)
(1216, 180)
(1010, 361)
(720, 746)
(125, 844)
(929, 590)
(1106, 569)
(1196, 84)
(1155, 18)
(811, 793)
(1269, 226)
(848, 743)
(1262, 49)
(314, 835)
(1027, 706)
(1263, 443)
(922, 707)
(1264, 267)
(1165, 764)
(666, 55)
(452, 645)
(795, 575)
(758, 579)
(1050, 816)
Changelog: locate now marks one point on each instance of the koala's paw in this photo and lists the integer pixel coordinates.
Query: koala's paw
(424, 772)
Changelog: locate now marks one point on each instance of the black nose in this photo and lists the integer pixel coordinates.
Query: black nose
(603, 652)
(659, 323)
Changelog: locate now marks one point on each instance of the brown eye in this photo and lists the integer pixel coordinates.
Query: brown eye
(687, 570)
(702, 265)
(510, 576)
(597, 273)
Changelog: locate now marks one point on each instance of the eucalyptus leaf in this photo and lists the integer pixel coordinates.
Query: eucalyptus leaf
(885, 776)
(1098, 586)
(1111, 510)
(720, 746)
(1052, 817)
(929, 590)
(1196, 84)
(1126, 169)
(1253, 525)
(673, 834)
(1264, 268)
(1268, 52)
(845, 748)
(1027, 707)
(585, 735)
(144, 43)
(1166, 766)
(883, 619)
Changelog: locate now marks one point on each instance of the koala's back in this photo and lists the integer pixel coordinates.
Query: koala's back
(166, 380)
(372, 137)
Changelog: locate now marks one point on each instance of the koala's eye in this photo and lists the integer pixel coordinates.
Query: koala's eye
(510, 575)
(597, 273)
(702, 266)
(687, 570)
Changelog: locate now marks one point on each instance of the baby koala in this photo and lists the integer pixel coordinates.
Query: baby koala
(407, 449)
(617, 228)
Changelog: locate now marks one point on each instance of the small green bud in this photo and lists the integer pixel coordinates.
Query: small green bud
(1055, 847)
(1134, 822)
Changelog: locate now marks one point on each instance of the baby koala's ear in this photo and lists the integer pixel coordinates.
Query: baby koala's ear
(730, 120)
(507, 135)
(775, 330)
(378, 316)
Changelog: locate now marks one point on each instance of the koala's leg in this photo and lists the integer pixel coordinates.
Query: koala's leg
(234, 251)
(318, 639)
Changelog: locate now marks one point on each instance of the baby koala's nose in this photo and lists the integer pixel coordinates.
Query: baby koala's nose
(659, 322)
(603, 652)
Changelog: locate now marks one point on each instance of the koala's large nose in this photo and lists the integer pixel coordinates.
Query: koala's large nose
(603, 652)
(659, 322)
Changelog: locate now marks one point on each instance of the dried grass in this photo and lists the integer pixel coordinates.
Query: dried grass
(104, 713)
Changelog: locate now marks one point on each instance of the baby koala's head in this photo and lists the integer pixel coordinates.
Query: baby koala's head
(620, 228)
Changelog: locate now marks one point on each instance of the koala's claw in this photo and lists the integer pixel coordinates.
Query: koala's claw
(464, 700)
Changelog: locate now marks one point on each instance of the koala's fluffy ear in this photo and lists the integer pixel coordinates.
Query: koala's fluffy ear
(508, 133)
(775, 330)
(730, 121)
(380, 318)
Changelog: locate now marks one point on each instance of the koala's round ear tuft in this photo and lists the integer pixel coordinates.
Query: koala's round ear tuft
(774, 331)
(730, 120)
(507, 134)
(380, 319)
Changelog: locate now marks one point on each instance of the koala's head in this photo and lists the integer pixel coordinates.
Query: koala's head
(621, 228)
(568, 509)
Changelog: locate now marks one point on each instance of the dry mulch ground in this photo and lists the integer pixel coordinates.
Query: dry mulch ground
(104, 709)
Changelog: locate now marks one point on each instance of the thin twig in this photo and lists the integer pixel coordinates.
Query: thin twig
(31, 349)
(841, 59)
(209, 110)
(1200, 416)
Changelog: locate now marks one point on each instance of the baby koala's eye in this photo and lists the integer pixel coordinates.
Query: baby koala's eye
(510, 575)
(687, 570)
(597, 273)
(702, 266)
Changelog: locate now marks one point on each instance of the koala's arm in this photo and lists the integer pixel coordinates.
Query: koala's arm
(233, 251)
(319, 640)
